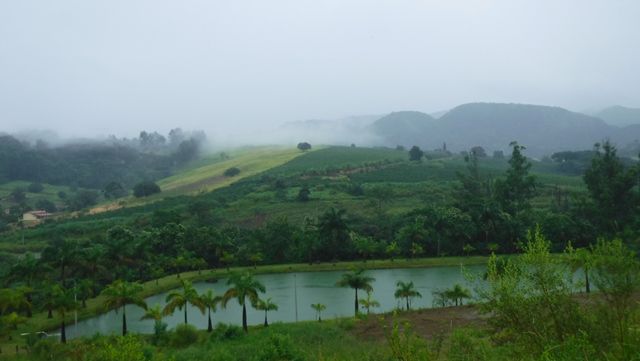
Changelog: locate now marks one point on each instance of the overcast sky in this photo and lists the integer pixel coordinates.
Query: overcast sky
(119, 66)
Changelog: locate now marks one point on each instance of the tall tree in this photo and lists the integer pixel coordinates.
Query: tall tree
(610, 186)
(514, 193)
(121, 293)
(358, 281)
(518, 187)
(243, 287)
(63, 303)
(181, 299)
(334, 231)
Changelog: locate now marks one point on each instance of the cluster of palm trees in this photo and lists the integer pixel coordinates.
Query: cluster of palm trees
(243, 287)
(357, 280)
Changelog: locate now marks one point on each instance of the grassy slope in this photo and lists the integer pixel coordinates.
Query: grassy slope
(207, 174)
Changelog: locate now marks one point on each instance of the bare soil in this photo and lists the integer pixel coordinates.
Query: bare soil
(426, 323)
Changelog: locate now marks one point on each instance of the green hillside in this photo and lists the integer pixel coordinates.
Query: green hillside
(207, 174)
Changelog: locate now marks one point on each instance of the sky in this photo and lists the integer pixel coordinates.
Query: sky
(237, 67)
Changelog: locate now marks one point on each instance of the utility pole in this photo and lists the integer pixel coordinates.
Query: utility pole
(295, 293)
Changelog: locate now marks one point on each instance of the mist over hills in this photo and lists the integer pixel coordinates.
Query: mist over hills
(542, 129)
(619, 115)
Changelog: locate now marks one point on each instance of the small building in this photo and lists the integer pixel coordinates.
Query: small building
(33, 218)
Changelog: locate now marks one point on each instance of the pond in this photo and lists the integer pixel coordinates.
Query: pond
(310, 287)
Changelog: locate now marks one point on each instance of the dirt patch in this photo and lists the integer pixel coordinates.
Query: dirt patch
(426, 323)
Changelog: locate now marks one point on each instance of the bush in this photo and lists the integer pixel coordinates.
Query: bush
(224, 332)
(184, 335)
(467, 347)
(279, 347)
(304, 194)
(128, 348)
(145, 189)
(35, 187)
(231, 172)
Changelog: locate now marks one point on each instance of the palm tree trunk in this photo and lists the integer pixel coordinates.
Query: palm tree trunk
(244, 318)
(63, 333)
(185, 313)
(356, 303)
(587, 287)
(124, 321)
(266, 323)
(408, 304)
(209, 324)
(49, 313)
(29, 299)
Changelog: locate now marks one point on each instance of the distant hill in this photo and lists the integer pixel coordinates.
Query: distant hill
(403, 128)
(619, 115)
(542, 129)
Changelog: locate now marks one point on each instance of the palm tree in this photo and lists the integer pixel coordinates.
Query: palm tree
(63, 303)
(85, 290)
(121, 293)
(266, 306)
(334, 230)
(27, 270)
(244, 286)
(319, 307)
(580, 258)
(180, 299)
(47, 294)
(356, 280)
(369, 303)
(406, 291)
(210, 301)
(154, 313)
(457, 294)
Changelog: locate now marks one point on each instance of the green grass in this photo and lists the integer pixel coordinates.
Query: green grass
(337, 157)
(207, 174)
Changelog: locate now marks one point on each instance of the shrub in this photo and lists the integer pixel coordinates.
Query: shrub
(303, 194)
(128, 348)
(467, 347)
(224, 332)
(231, 172)
(145, 189)
(35, 187)
(184, 335)
(279, 347)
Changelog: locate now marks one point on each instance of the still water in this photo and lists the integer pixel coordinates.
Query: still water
(310, 287)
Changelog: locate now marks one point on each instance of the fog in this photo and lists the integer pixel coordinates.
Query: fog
(241, 69)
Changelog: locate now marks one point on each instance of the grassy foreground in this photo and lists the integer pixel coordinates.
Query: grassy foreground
(95, 306)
